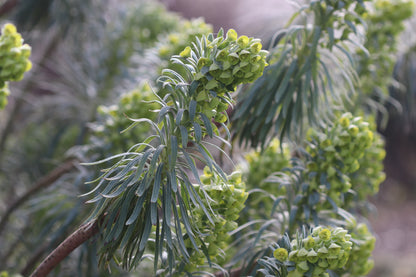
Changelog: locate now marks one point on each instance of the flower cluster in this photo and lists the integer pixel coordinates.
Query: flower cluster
(225, 63)
(367, 179)
(262, 163)
(14, 59)
(185, 35)
(360, 263)
(227, 201)
(114, 119)
(150, 21)
(322, 249)
(335, 154)
(385, 23)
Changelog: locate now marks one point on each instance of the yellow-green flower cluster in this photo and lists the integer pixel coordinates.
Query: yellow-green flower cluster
(227, 62)
(227, 201)
(263, 163)
(116, 118)
(188, 30)
(385, 22)
(322, 249)
(366, 180)
(151, 21)
(360, 262)
(14, 59)
(336, 153)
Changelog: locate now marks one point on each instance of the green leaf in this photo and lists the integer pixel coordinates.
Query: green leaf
(292, 215)
(137, 209)
(285, 81)
(207, 124)
(197, 131)
(153, 213)
(179, 116)
(331, 37)
(275, 204)
(146, 232)
(172, 178)
(163, 112)
(157, 183)
(191, 165)
(173, 151)
(179, 236)
(184, 135)
(192, 110)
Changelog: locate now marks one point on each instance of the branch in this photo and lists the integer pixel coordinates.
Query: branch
(81, 235)
(44, 182)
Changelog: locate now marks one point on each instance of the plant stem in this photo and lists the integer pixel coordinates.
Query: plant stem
(44, 182)
(81, 235)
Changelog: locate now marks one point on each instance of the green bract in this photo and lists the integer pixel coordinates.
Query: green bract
(14, 59)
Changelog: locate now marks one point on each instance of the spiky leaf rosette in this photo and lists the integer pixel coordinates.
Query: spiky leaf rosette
(310, 70)
(152, 186)
(14, 59)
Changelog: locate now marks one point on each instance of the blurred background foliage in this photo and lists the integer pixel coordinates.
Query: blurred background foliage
(91, 57)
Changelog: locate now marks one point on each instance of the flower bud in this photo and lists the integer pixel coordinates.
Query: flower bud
(280, 254)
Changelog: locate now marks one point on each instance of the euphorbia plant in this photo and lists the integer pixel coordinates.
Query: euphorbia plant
(153, 201)
(152, 183)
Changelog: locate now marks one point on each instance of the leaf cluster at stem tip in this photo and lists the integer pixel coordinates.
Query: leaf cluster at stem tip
(146, 198)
